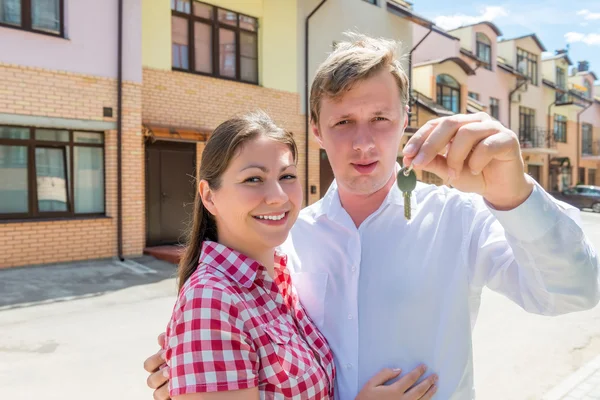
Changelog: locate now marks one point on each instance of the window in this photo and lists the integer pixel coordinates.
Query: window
(527, 65)
(561, 83)
(474, 95)
(448, 93)
(50, 173)
(586, 139)
(42, 16)
(213, 41)
(588, 88)
(484, 49)
(495, 107)
(560, 128)
(526, 126)
(581, 179)
(374, 2)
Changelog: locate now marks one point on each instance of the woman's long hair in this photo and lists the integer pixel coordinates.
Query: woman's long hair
(223, 144)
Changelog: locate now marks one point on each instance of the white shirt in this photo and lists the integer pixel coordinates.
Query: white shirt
(396, 294)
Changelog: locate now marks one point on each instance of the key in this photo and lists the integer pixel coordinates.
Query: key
(406, 181)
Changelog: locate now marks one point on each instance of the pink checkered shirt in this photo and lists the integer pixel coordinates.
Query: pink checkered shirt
(233, 327)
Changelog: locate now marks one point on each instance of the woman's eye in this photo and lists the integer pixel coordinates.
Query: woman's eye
(289, 176)
(253, 179)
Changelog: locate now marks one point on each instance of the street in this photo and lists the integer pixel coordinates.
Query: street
(64, 339)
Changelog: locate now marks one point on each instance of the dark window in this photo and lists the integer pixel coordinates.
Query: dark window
(588, 89)
(527, 64)
(495, 107)
(586, 139)
(484, 49)
(560, 128)
(374, 2)
(213, 41)
(448, 93)
(474, 95)
(46, 173)
(526, 125)
(42, 16)
(561, 83)
(581, 179)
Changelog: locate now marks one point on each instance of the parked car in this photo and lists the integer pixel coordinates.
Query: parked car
(581, 196)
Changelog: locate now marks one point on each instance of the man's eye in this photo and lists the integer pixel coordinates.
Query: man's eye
(380, 119)
(343, 122)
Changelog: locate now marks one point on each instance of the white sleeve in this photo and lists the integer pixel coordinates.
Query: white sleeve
(536, 254)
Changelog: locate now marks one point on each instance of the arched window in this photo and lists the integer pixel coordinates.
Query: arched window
(484, 49)
(448, 92)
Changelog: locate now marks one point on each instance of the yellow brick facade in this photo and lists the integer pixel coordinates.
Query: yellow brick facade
(180, 99)
(45, 93)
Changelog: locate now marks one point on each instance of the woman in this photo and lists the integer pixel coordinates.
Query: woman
(238, 330)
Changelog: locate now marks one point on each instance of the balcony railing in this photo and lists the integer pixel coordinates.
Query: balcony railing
(536, 138)
(590, 148)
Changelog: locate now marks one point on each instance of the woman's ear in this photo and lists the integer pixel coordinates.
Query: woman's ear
(207, 196)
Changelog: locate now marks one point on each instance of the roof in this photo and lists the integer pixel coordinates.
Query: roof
(509, 69)
(558, 56)
(403, 12)
(495, 28)
(461, 63)
(432, 105)
(531, 35)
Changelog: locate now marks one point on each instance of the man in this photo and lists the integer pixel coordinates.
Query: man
(388, 292)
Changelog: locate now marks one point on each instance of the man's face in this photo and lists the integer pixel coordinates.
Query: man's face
(361, 133)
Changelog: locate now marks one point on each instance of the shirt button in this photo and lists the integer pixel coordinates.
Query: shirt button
(349, 316)
(349, 366)
(353, 269)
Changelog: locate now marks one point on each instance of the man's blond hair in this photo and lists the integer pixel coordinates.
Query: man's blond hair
(353, 61)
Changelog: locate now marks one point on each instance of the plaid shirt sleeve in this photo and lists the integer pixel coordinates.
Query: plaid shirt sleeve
(207, 349)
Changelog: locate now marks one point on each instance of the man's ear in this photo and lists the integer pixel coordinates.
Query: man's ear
(315, 130)
(207, 196)
(406, 113)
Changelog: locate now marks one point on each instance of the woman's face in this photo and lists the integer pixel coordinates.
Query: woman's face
(259, 198)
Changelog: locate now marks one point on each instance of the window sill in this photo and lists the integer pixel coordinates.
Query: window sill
(18, 28)
(187, 71)
(50, 219)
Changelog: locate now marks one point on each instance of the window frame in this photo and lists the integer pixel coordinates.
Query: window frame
(68, 147)
(483, 46)
(531, 65)
(560, 135)
(587, 130)
(453, 91)
(526, 120)
(27, 24)
(495, 105)
(215, 27)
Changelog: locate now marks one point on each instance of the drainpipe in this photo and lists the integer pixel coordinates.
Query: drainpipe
(550, 116)
(306, 100)
(578, 133)
(510, 94)
(120, 131)
(410, 85)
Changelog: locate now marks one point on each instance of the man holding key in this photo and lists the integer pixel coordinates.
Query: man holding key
(395, 288)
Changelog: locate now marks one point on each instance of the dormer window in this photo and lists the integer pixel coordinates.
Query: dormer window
(484, 49)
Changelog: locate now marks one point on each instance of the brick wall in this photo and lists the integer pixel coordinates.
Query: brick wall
(182, 99)
(38, 92)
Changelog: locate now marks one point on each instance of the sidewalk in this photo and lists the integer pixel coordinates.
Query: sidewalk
(583, 384)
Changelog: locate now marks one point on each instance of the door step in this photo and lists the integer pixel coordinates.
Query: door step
(171, 254)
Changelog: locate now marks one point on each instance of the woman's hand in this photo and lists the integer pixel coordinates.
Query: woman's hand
(402, 389)
(159, 372)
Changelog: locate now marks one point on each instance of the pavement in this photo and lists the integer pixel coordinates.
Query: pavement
(82, 330)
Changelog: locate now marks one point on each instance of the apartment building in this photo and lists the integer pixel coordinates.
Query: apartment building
(70, 103)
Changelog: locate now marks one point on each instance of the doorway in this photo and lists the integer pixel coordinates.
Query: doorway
(170, 191)
(325, 173)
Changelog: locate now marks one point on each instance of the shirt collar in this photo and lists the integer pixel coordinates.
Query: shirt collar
(239, 267)
(330, 205)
